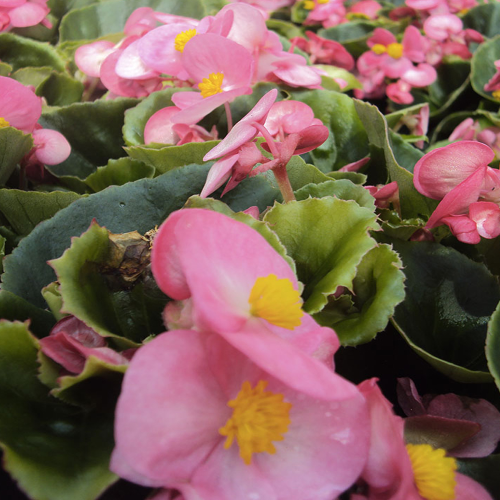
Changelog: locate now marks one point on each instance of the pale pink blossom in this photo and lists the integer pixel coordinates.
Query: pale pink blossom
(324, 51)
(160, 129)
(216, 262)
(222, 70)
(174, 427)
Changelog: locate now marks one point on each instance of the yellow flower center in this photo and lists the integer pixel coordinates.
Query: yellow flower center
(310, 4)
(352, 16)
(211, 85)
(182, 38)
(395, 50)
(276, 301)
(259, 418)
(378, 48)
(496, 94)
(433, 471)
(4, 123)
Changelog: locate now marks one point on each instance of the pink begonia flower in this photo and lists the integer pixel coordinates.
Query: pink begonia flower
(23, 13)
(324, 51)
(471, 129)
(328, 13)
(239, 285)
(71, 342)
(140, 22)
(50, 146)
(160, 129)
(365, 8)
(222, 70)
(477, 416)
(441, 27)
(385, 194)
(355, 166)
(460, 175)
(89, 57)
(239, 154)
(223, 422)
(126, 87)
(395, 471)
(20, 107)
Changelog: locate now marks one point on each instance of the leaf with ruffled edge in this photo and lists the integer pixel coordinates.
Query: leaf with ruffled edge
(327, 238)
(378, 288)
(51, 450)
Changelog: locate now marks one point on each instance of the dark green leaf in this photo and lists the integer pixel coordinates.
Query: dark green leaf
(94, 130)
(13, 146)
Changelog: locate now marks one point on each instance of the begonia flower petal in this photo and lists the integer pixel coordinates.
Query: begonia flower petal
(52, 147)
(442, 169)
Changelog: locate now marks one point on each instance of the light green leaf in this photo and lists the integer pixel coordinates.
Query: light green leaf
(483, 66)
(323, 263)
(25, 209)
(119, 172)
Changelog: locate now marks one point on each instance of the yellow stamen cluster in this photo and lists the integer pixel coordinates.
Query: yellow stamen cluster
(211, 85)
(182, 38)
(433, 471)
(259, 418)
(395, 50)
(496, 94)
(276, 301)
(4, 123)
(310, 4)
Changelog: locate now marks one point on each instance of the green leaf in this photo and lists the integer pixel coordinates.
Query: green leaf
(343, 189)
(483, 66)
(52, 451)
(25, 209)
(493, 346)
(14, 308)
(99, 19)
(483, 470)
(336, 72)
(412, 202)
(169, 157)
(284, 28)
(13, 146)
(323, 264)
(21, 52)
(395, 119)
(377, 289)
(449, 301)
(484, 18)
(138, 205)
(96, 285)
(94, 130)
(59, 89)
(451, 83)
(5, 69)
(137, 117)
(119, 172)
(347, 142)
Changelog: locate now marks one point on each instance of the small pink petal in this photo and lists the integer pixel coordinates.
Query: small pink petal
(28, 14)
(159, 127)
(51, 146)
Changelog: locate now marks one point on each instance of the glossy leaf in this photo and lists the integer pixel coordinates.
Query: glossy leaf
(483, 66)
(449, 301)
(94, 130)
(493, 346)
